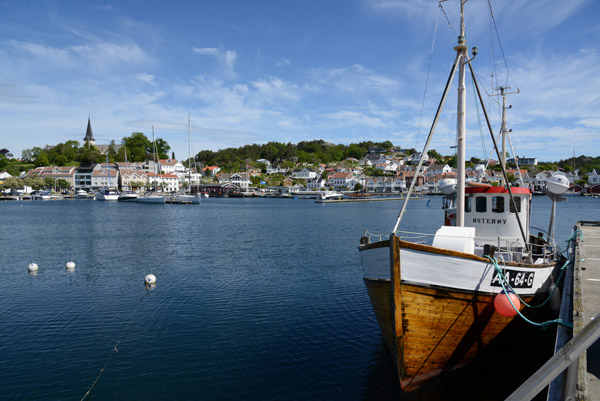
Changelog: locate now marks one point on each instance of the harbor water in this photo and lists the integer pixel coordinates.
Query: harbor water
(256, 299)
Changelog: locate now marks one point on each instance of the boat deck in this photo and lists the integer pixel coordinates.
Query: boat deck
(587, 268)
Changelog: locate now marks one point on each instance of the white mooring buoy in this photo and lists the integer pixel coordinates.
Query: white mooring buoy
(32, 266)
(150, 279)
(70, 265)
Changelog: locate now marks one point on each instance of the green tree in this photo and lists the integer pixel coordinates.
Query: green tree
(62, 183)
(435, 154)
(138, 147)
(30, 155)
(387, 144)
(89, 154)
(12, 182)
(162, 148)
(42, 160)
(34, 182)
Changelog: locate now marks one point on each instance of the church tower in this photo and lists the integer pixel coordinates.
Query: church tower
(89, 137)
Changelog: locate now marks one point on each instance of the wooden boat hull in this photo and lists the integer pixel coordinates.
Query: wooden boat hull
(431, 328)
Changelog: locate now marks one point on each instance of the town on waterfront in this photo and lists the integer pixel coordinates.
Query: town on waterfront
(371, 169)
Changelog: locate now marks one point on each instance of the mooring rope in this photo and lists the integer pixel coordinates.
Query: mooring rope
(115, 350)
(504, 282)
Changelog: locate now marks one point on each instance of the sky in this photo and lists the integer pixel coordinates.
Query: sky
(344, 71)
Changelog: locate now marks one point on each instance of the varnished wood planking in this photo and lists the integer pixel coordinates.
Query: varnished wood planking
(441, 329)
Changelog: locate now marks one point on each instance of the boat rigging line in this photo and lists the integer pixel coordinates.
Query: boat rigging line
(431, 131)
(502, 166)
(445, 15)
(427, 77)
(508, 74)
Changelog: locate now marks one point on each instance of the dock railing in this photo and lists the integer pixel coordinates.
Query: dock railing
(558, 363)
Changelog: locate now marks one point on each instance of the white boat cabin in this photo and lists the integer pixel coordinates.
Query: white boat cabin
(491, 217)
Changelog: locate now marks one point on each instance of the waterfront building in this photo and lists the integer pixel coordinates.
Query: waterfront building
(104, 175)
(211, 171)
(132, 178)
(170, 166)
(339, 181)
(304, 173)
(66, 173)
(168, 182)
(593, 178)
(317, 183)
(241, 180)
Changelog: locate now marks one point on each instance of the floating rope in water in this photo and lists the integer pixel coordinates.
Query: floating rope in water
(114, 351)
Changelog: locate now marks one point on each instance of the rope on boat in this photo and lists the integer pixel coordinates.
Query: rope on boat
(114, 351)
(505, 284)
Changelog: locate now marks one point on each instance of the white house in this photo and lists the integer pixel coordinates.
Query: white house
(211, 171)
(315, 183)
(339, 181)
(170, 166)
(593, 178)
(101, 178)
(539, 180)
(169, 182)
(241, 180)
(304, 174)
(437, 169)
(129, 177)
(357, 179)
(66, 173)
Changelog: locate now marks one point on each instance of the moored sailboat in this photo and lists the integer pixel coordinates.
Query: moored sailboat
(187, 196)
(435, 301)
(152, 196)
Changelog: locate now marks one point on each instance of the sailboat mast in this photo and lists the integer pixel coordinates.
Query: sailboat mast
(461, 133)
(189, 154)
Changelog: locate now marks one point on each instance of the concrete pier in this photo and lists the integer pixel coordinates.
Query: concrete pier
(586, 305)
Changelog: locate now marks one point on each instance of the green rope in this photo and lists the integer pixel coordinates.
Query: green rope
(543, 325)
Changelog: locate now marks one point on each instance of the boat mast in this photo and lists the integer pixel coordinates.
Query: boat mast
(189, 154)
(503, 129)
(461, 133)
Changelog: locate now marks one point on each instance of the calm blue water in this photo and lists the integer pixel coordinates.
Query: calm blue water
(257, 299)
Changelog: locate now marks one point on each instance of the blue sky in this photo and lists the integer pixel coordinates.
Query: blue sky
(258, 71)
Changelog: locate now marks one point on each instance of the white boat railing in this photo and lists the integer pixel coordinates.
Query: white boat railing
(509, 248)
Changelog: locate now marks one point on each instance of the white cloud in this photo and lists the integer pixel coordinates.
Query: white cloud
(282, 62)
(148, 78)
(226, 58)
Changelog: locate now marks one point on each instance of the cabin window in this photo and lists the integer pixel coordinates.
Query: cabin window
(480, 204)
(518, 203)
(498, 204)
(468, 204)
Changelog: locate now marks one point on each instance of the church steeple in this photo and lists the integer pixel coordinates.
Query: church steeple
(89, 137)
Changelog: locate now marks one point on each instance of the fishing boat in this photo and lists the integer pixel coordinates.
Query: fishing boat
(435, 300)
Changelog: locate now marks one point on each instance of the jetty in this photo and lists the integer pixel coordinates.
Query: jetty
(573, 373)
(365, 199)
(586, 306)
